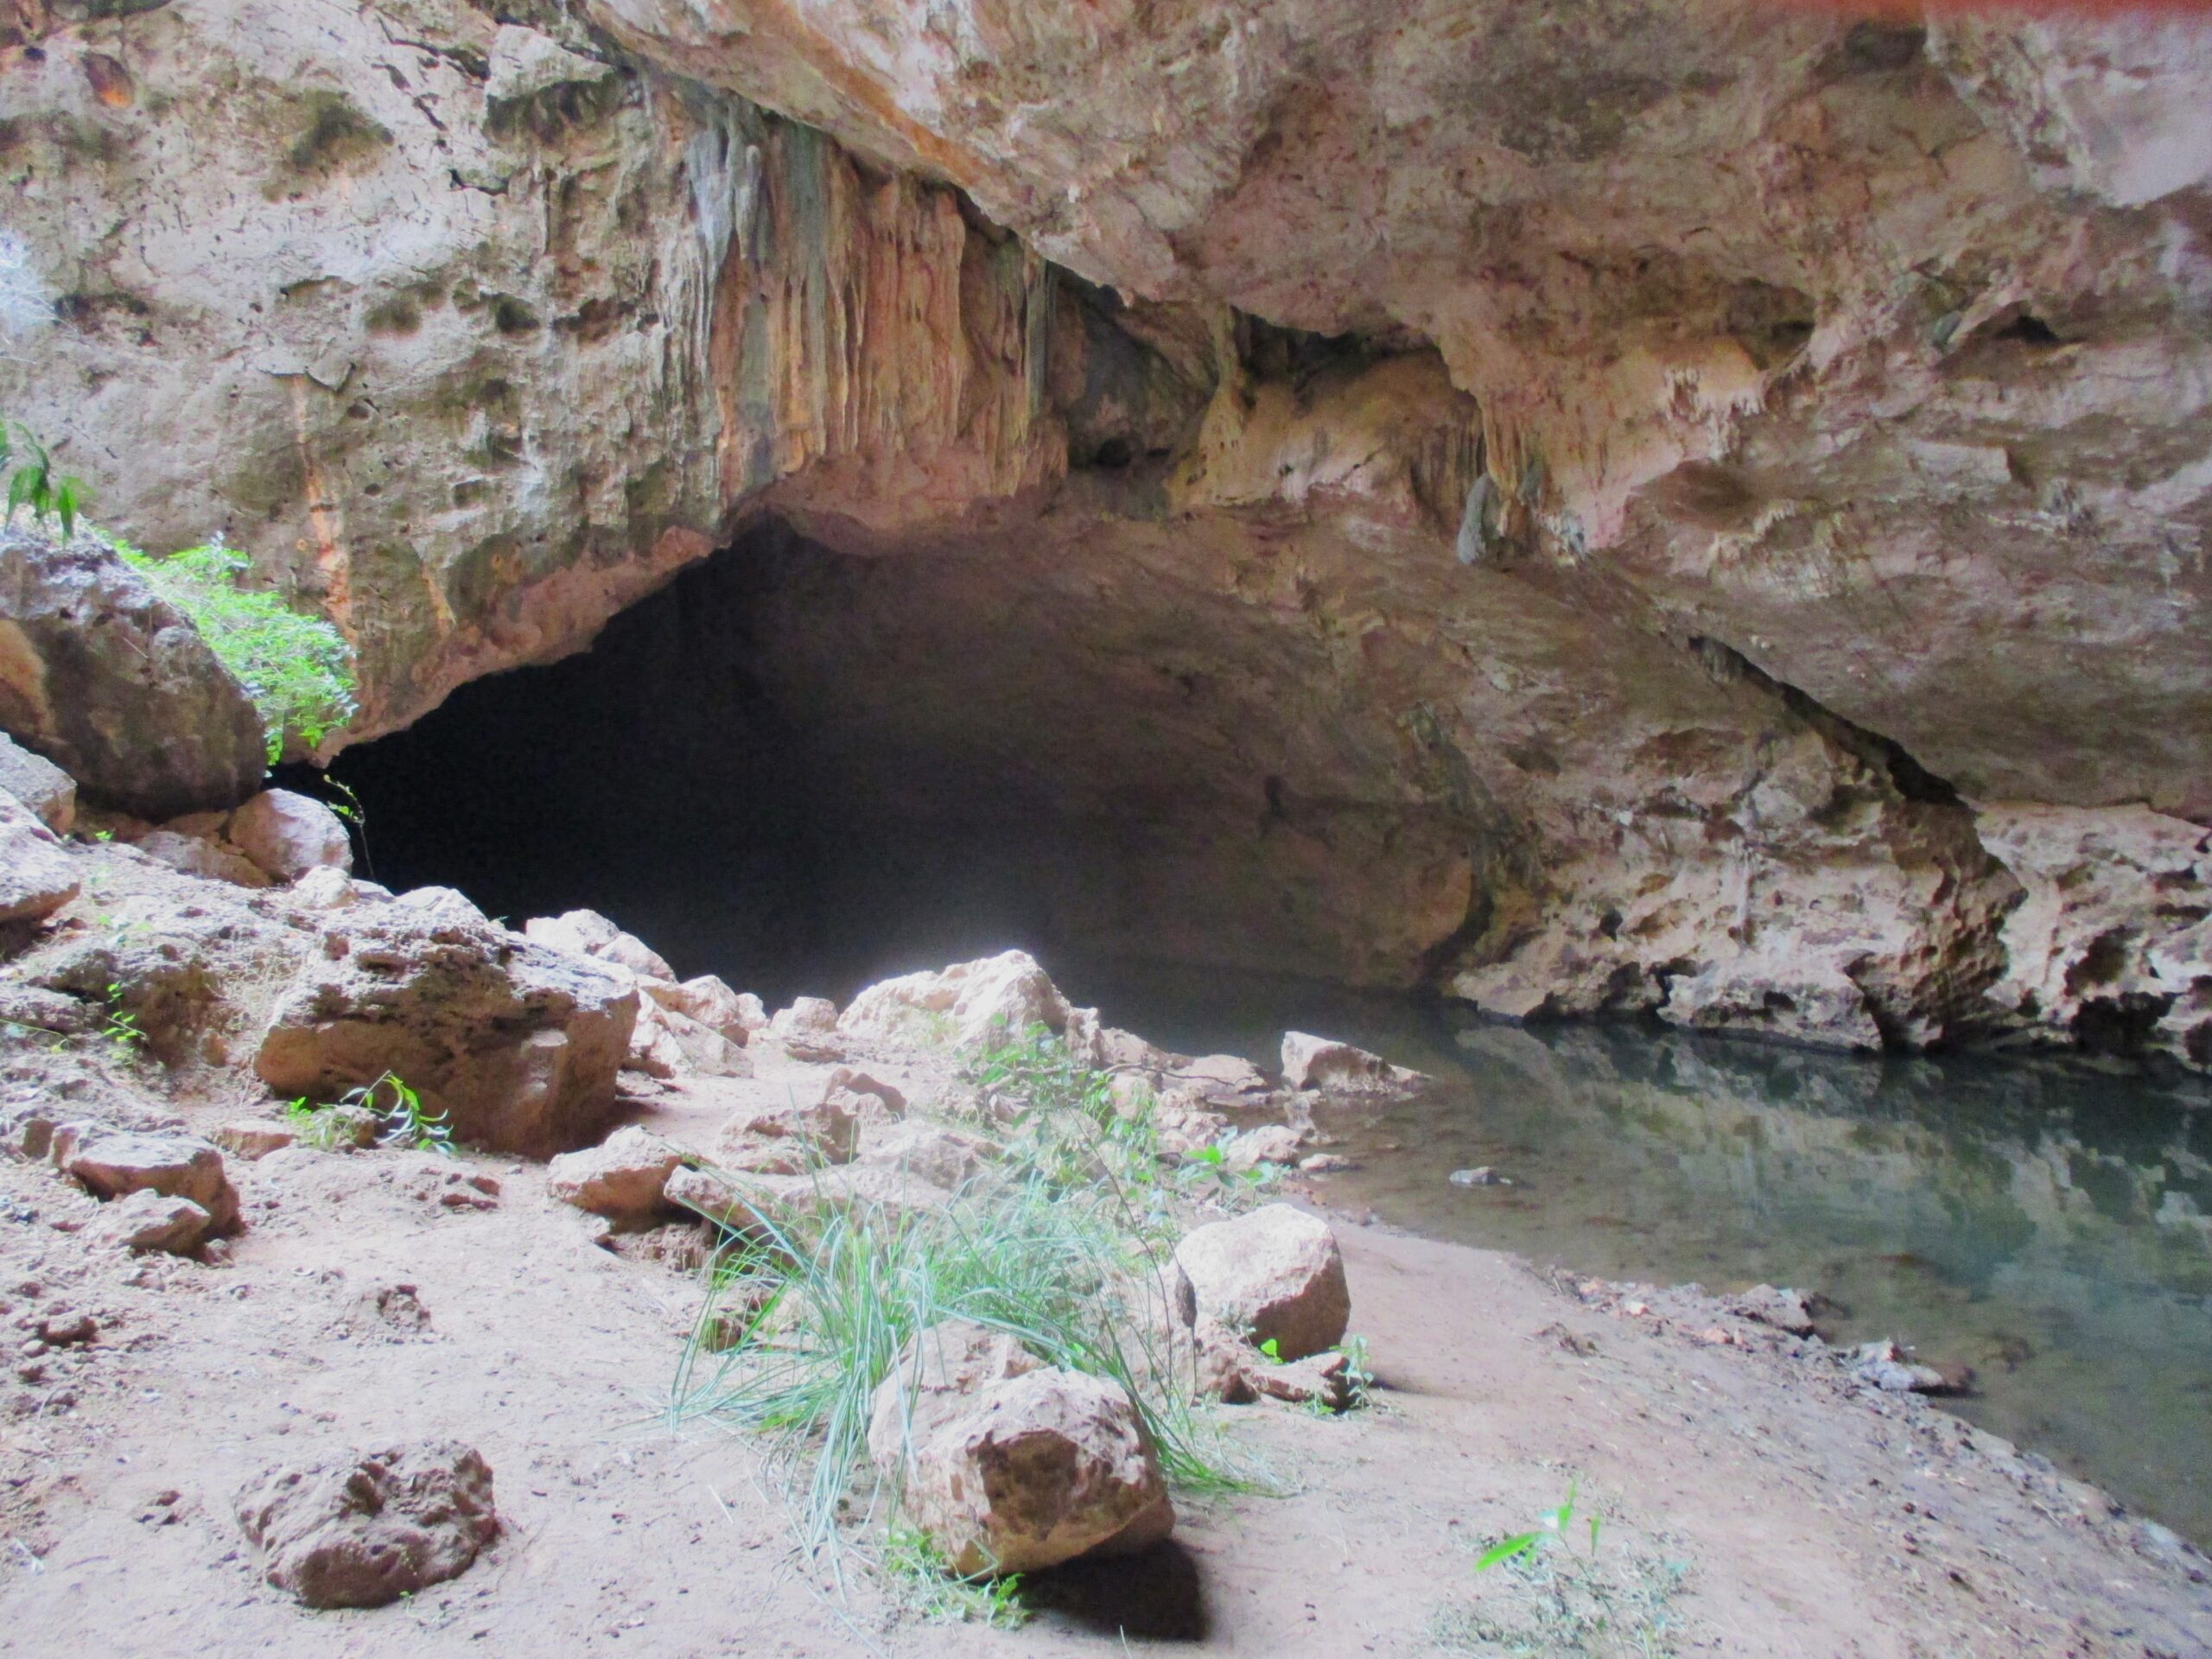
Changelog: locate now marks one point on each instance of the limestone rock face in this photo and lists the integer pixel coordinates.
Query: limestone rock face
(519, 1044)
(1589, 508)
(363, 1531)
(1276, 1273)
(1011, 1466)
(115, 686)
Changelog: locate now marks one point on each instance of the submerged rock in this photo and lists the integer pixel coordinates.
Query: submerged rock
(365, 1530)
(1320, 1063)
(1009, 1465)
(116, 687)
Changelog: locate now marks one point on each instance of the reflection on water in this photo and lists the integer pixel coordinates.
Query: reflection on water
(2050, 1225)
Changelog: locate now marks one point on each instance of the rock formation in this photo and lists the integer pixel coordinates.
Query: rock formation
(1615, 508)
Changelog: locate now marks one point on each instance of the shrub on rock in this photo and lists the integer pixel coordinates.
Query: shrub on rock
(1009, 1465)
(517, 1044)
(1276, 1274)
(360, 1532)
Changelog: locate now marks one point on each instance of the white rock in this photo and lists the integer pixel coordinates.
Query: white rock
(1003, 996)
(440, 907)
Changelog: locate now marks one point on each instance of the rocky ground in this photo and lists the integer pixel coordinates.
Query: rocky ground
(1757, 1498)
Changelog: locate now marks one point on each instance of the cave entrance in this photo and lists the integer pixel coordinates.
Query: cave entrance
(660, 777)
(803, 769)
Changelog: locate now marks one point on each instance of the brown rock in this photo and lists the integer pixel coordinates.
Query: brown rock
(115, 686)
(145, 1221)
(255, 1137)
(790, 1140)
(111, 1164)
(36, 876)
(363, 1531)
(1010, 1466)
(289, 834)
(518, 1044)
(1276, 1274)
(37, 783)
(624, 1178)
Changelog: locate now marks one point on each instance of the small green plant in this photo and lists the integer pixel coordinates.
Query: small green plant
(1360, 1380)
(298, 669)
(405, 1123)
(355, 817)
(923, 1581)
(397, 1108)
(32, 483)
(1550, 1528)
(119, 1026)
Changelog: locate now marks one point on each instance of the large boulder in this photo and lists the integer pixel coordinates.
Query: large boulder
(1276, 1273)
(287, 834)
(39, 784)
(363, 1531)
(970, 1002)
(37, 877)
(115, 685)
(1009, 1465)
(517, 1044)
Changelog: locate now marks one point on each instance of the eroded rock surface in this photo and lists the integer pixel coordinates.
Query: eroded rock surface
(1010, 1465)
(1591, 509)
(517, 1044)
(363, 1531)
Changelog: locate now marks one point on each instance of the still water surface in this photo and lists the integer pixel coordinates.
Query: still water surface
(2047, 1221)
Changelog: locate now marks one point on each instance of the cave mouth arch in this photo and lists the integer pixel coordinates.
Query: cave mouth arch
(804, 770)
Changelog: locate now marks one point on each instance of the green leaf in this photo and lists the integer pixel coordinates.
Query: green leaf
(1505, 1549)
(1272, 1349)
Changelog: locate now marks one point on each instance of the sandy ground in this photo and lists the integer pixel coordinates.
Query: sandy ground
(1754, 1502)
